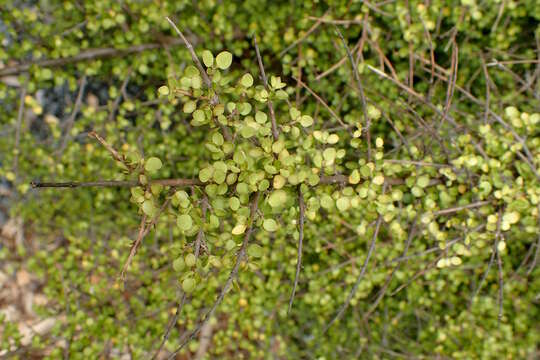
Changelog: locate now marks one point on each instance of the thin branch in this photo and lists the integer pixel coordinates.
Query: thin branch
(451, 82)
(298, 41)
(367, 122)
(322, 102)
(117, 183)
(182, 301)
(20, 115)
(143, 231)
(72, 116)
(391, 276)
(275, 131)
(460, 208)
(115, 154)
(194, 57)
(301, 219)
(89, 54)
(537, 251)
(239, 258)
(345, 305)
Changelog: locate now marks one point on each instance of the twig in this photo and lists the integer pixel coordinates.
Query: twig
(239, 258)
(382, 292)
(85, 55)
(143, 231)
(493, 253)
(367, 122)
(310, 30)
(301, 219)
(117, 183)
(72, 116)
(345, 305)
(107, 146)
(182, 301)
(459, 208)
(194, 57)
(275, 131)
(20, 115)
(321, 101)
(451, 82)
(537, 251)
(134, 247)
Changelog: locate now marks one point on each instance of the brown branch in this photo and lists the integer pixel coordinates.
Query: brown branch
(391, 275)
(459, 208)
(107, 146)
(194, 57)
(143, 231)
(186, 338)
(117, 183)
(275, 131)
(182, 301)
(345, 305)
(360, 88)
(90, 54)
(298, 41)
(452, 82)
(321, 101)
(537, 251)
(20, 115)
(71, 120)
(301, 219)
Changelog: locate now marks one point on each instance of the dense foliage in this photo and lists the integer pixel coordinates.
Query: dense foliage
(397, 141)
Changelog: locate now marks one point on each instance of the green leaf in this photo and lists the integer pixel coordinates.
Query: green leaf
(270, 225)
(343, 204)
(306, 120)
(239, 229)
(153, 164)
(184, 222)
(179, 264)
(247, 80)
(199, 117)
(188, 285)
(163, 90)
(189, 107)
(423, 181)
(255, 250)
(190, 260)
(224, 60)
(148, 208)
(260, 117)
(206, 174)
(208, 58)
(277, 198)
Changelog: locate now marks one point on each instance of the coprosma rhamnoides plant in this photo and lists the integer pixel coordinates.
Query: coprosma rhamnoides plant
(269, 170)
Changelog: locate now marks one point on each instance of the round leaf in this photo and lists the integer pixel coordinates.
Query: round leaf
(224, 60)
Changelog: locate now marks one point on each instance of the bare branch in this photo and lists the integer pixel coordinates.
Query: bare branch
(367, 122)
(301, 219)
(275, 131)
(71, 120)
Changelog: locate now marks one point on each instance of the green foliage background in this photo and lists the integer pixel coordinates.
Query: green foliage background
(453, 184)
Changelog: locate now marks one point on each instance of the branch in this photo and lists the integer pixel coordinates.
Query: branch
(85, 55)
(239, 258)
(360, 90)
(143, 231)
(345, 305)
(20, 115)
(74, 112)
(117, 183)
(182, 301)
(301, 219)
(321, 101)
(275, 131)
(194, 57)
